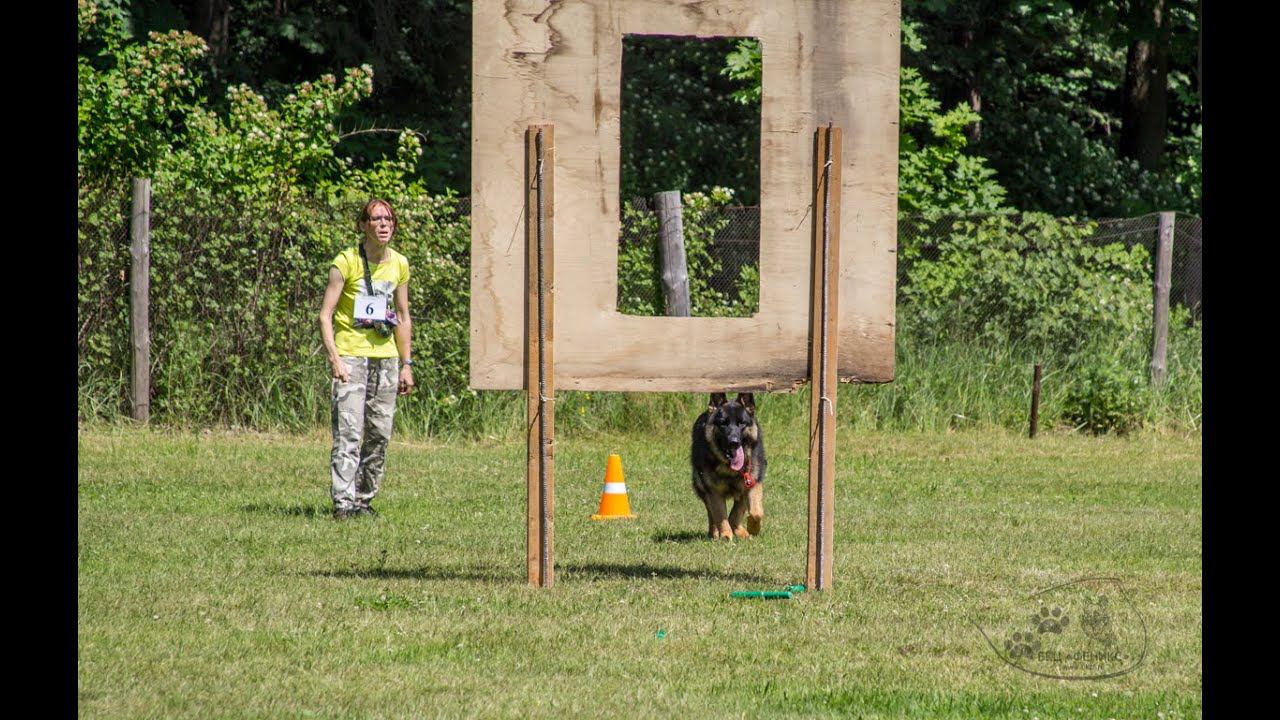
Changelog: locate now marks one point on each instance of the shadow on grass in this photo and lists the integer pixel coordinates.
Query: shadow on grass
(680, 536)
(645, 571)
(421, 573)
(570, 572)
(307, 511)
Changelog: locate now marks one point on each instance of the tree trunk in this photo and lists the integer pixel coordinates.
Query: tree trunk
(975, 102)
(388, 42)
(1146, 97)
(1200, 52)
(974, 130)
(210, 19)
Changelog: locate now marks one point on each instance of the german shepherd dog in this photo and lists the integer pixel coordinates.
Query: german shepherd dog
(728, 462)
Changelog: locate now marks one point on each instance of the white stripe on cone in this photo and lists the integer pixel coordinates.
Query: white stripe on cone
(615, 488)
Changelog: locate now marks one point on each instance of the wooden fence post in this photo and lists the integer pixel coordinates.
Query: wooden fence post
(823, 331)
(1160, 313)
(1035, 400)
(139, 299)
(675, 271)
(539, 383)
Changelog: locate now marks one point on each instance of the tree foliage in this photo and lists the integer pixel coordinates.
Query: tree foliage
(935, 170)
(640, 267)
(250, 136)
(1030, 278)
(249, 206)
(1046, 77)
(681, 129)
(134, 99)
(419, 52)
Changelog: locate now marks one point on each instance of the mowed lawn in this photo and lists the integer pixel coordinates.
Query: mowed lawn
(213, 582)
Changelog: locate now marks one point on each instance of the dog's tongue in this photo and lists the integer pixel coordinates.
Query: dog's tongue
(738, 458)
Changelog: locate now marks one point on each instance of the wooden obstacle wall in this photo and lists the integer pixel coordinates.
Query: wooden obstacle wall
(538, 62)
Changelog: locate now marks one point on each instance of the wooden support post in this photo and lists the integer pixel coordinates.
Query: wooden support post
(1035, 400)
(140, 299)
(539, 333)
(824, 328)
(675, 271)
(1160, 314)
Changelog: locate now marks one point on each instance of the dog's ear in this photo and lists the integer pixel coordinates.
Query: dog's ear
(717, 399)
(748, 400)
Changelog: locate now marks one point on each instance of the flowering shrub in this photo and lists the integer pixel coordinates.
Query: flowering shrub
(134, 99)
(248, 209)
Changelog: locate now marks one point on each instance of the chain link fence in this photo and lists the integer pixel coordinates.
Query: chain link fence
(736, 245)
(217, 358)
(925, 234)
(980, 299)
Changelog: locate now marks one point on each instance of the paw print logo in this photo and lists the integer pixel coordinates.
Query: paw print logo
(1095, 621)
(1050, 620)
(1022, 645)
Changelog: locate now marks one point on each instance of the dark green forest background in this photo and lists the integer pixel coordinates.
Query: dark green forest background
(1080, 108)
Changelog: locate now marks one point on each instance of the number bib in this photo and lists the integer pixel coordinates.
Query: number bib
(370, 308)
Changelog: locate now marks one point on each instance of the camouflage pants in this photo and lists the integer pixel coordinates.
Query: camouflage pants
(363, 409)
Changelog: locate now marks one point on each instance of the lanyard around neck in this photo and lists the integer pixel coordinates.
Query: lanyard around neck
(368, 278)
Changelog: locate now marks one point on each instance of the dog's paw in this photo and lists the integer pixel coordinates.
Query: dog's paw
(753, 525)
(741, 533)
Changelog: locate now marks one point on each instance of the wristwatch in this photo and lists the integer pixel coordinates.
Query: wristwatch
(407, 363)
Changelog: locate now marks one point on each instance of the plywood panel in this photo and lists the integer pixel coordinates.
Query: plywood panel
(539, 62)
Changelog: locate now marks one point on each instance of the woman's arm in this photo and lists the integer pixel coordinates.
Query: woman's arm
(404, 337)
(332, 294)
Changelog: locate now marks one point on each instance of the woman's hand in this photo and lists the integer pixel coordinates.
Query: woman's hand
(339, 370)
(406, 379)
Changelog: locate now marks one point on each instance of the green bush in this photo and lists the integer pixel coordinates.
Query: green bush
(134, 99)
(640, 268)
(1029, 278)
(248, 209)
(1106, 398)
(936, 168)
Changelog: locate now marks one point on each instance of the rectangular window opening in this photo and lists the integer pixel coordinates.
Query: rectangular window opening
(690, 122)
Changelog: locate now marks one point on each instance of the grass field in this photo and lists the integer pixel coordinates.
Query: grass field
(213, 583)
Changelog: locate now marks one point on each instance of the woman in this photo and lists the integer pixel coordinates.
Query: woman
(367, 299)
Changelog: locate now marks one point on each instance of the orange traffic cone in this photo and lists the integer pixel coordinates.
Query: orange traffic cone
(613, 500)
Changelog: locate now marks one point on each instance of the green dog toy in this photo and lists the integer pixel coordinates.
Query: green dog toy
(784, 594)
